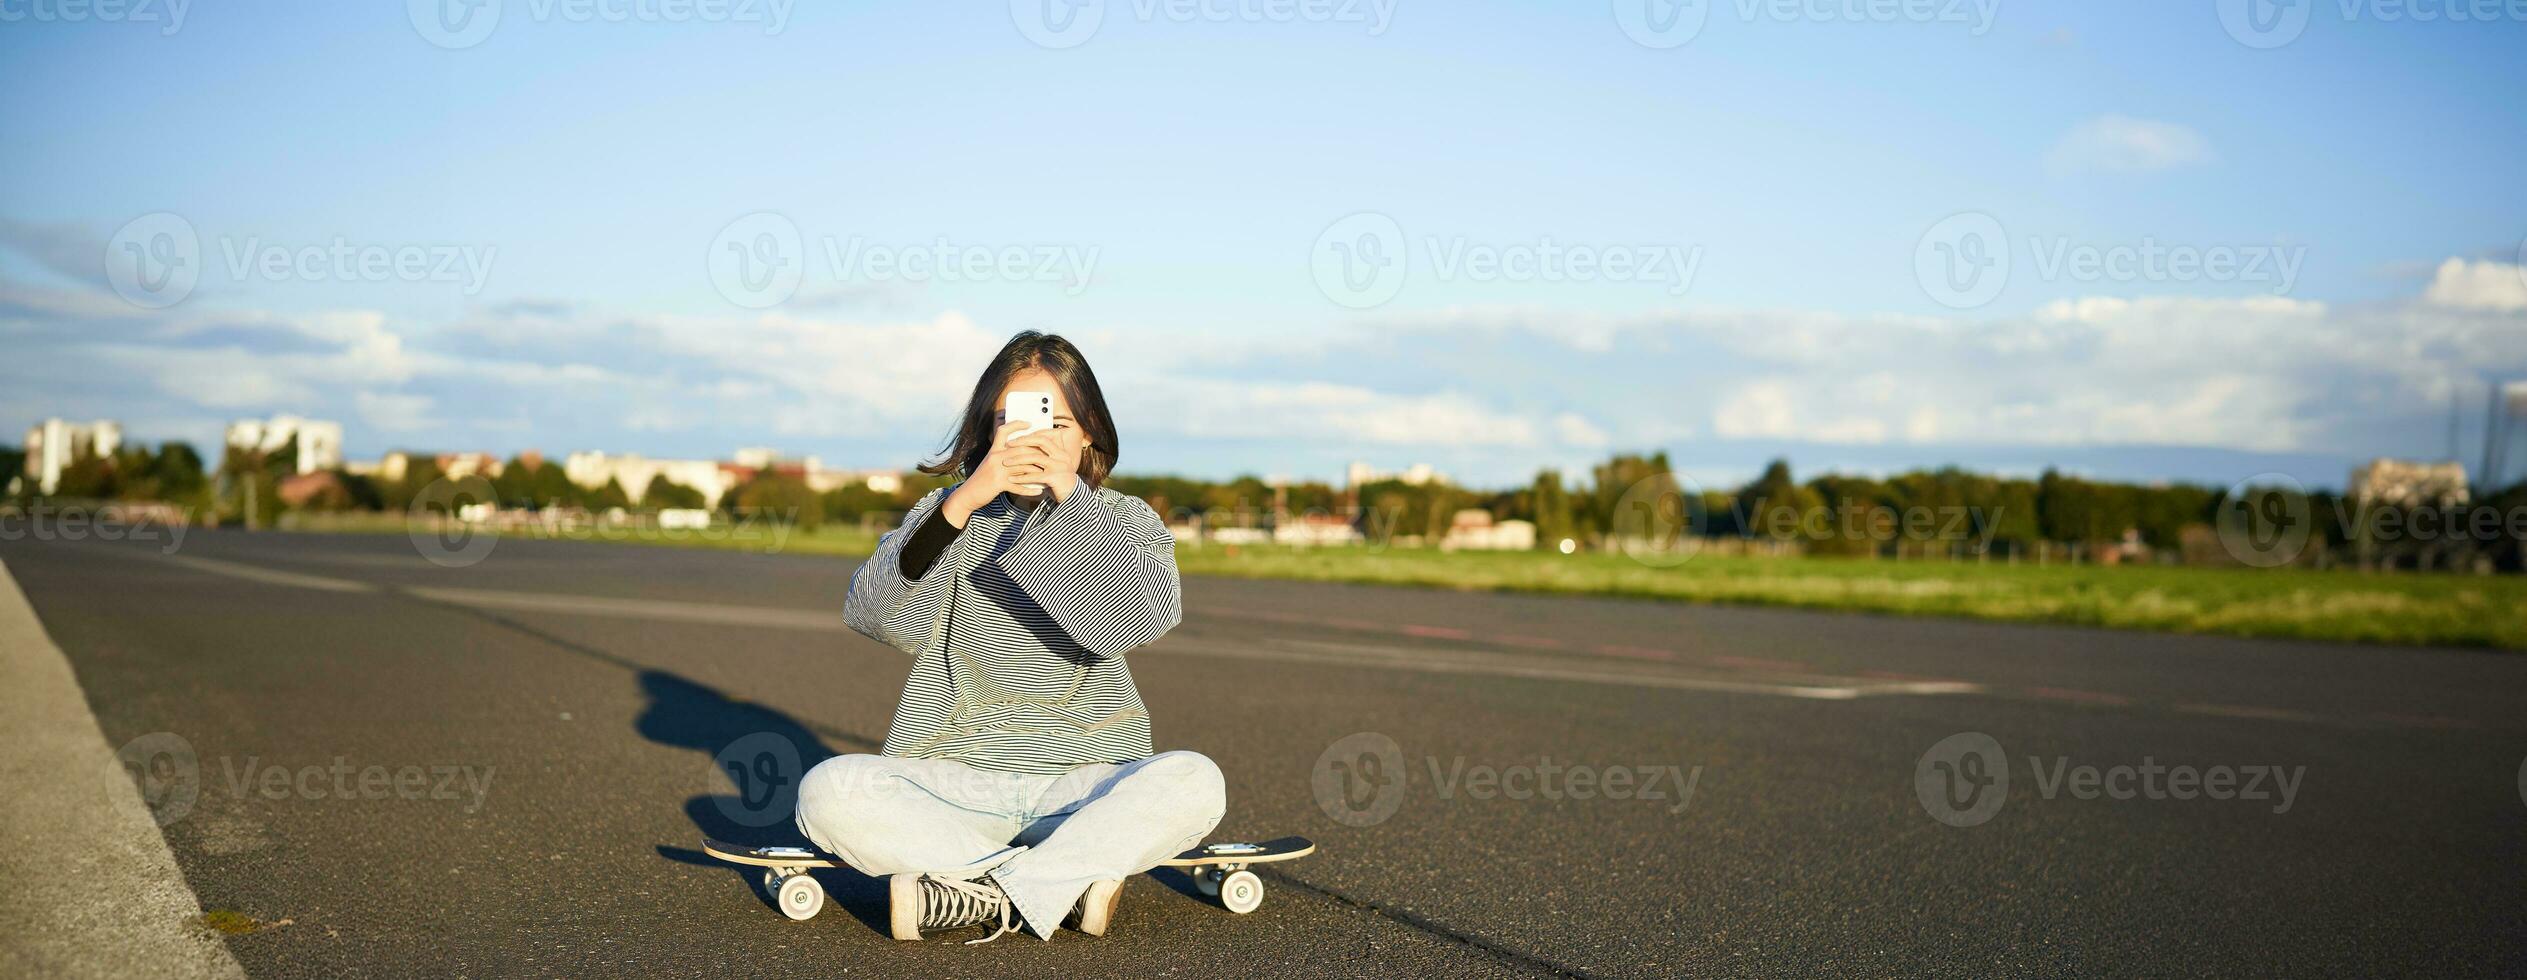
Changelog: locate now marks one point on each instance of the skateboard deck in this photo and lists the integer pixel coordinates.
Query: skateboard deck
(1219, 870)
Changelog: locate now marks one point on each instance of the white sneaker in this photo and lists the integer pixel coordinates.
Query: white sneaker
(1096, 907)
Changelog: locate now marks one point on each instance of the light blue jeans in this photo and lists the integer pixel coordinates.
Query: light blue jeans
(1044, 839)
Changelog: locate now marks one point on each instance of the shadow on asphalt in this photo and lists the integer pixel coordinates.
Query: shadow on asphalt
(763, 752)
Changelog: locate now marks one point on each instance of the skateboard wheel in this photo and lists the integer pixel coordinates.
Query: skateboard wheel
(800, 897)
(1206, 879)
(1241, 892)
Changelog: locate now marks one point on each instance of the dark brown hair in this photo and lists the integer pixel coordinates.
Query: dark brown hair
(972, 439)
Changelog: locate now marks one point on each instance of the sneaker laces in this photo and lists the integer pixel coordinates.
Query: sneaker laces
(949, 903)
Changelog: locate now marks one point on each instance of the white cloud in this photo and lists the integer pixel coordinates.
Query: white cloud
(2257, 373)
(2098, 310)
(395, 413)
(347, 346)
(2179, 372)
(1758, 409)
(2487, 285)
(83, 304)
(2122, 144)
(1574, 429)
(1789, 408)
(1343, 414)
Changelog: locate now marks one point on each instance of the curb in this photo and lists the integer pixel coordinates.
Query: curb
(88, 887)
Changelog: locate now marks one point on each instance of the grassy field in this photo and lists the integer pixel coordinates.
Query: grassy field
(2457, 610)
(2439, 609)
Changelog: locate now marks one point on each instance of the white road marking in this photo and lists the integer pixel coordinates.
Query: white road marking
(713, 613)
(88, 887)
(1288, 650)
(257, 573)
(1469, 662)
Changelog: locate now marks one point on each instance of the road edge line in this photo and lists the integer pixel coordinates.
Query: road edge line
(88, 885)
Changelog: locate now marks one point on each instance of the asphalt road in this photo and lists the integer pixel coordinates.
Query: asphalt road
(544, 727)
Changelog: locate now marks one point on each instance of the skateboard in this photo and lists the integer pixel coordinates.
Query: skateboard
(1220, 871)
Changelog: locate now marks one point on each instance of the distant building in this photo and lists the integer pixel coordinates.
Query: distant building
(880, 481)
(756, 459)
(2409, 483)
(683, 519)
(591, 470)
(1474, 530)
(53, 444)
(318, 488)
(394, 466)
(1315, 530)
(319, 443)
(1241, 535)
(762, 458)
(1417, 474)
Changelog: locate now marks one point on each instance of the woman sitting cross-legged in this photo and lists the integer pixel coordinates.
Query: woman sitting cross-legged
(1017, 786)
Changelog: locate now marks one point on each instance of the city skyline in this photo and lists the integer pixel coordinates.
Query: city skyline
(263, 436)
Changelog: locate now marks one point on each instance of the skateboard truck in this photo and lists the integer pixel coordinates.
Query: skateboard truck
(1227, 878)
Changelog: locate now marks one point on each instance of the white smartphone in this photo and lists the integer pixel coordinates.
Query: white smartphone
(1035, 408)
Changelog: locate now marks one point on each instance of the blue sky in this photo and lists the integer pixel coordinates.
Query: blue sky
(1176, 187)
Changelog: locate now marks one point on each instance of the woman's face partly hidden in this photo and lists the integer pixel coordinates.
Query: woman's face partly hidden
(1065, 426)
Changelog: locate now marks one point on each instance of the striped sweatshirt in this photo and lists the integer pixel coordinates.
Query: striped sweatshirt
(1018, 631)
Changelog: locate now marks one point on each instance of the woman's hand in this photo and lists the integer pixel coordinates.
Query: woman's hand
(1048, 459)
(986, 482)
(1018, 464)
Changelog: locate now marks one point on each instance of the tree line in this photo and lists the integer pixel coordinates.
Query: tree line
(1945, 510)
